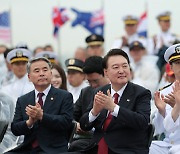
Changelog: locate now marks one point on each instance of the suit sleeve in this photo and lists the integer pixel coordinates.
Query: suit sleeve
(19, 126)
(63, 120)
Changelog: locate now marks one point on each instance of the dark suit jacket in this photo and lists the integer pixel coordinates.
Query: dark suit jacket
(127, 131)
(82, 103)
(51, 132)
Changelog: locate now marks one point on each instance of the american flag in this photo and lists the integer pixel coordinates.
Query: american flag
(5, 30)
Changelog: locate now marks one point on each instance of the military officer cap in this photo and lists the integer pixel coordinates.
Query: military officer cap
(136, 44)
(19, 54)
(164, 16)
(172, 53)
(130, 20)
(94, 39)
(22, 45)
(74, 64)
(51, 56)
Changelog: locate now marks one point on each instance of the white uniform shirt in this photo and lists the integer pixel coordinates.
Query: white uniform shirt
(75, 91)
(159, 123)
(146, 74)
(18, 87)
(135, 37)
(167, 38)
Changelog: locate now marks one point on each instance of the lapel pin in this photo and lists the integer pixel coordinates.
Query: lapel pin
(52, 98)
(128, 100)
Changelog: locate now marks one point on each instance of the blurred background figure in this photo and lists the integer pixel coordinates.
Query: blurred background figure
(7, 107)
(17, 86)
(75, 77)
(9, 74)
(95, 45)
(51, 56)
(48, 47)
(37, 50)
(130, 27)
(3, 67)
(80, 53)
(58, 77)
(164, 38)
(145, 71)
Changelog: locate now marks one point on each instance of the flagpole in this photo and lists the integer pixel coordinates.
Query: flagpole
(10, 24)
(59, 40)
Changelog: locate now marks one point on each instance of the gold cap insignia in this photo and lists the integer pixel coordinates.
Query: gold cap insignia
(93, 37)
(177, 49)
(71, 61)
(46, 56)
(19, 54)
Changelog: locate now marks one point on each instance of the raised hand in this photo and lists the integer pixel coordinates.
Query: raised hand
(176, 91)
(169, 99)
(160, 104)
(98, 106)
(176, 108)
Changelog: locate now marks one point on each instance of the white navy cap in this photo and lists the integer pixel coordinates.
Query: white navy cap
(130, 20)
(22, 45)
(51, 56)
(164, 16)
(172, 53)
(19, 54)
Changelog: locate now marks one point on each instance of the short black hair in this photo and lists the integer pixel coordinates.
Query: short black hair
(93, 64)
(114, 52)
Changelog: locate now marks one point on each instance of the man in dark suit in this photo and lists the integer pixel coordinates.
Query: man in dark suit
(95, 76)
(43, 115)
(120, 112)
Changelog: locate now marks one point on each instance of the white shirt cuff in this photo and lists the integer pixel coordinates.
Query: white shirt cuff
(92, 117)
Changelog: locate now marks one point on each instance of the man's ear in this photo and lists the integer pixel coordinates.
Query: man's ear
(105, 73)
(29, 78)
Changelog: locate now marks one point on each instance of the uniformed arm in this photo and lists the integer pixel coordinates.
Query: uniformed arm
(172, 121)
(63, 120)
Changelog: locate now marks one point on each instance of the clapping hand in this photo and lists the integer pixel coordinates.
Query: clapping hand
(159, 102)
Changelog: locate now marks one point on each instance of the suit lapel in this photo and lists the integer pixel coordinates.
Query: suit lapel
(125, 100)
(49, 99)
(31, 98)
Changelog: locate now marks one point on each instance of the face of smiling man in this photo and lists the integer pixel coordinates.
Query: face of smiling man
(118, 71)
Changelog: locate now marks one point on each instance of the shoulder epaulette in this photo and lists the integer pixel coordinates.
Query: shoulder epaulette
(165, 86)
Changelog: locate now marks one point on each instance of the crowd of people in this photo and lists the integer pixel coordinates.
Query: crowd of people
(110, 99)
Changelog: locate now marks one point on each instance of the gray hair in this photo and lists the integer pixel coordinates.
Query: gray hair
(33, 60)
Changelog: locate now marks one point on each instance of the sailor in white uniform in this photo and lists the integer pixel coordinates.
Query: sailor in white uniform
(130, 25)
(164, 37)
(163, 120)
(18, 85)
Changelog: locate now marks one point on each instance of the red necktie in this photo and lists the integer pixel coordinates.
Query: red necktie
(40, 101)
(102, 146)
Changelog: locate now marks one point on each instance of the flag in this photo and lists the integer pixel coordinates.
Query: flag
(142, 25)
(5, 30)
(59, 18)
(91, 21)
